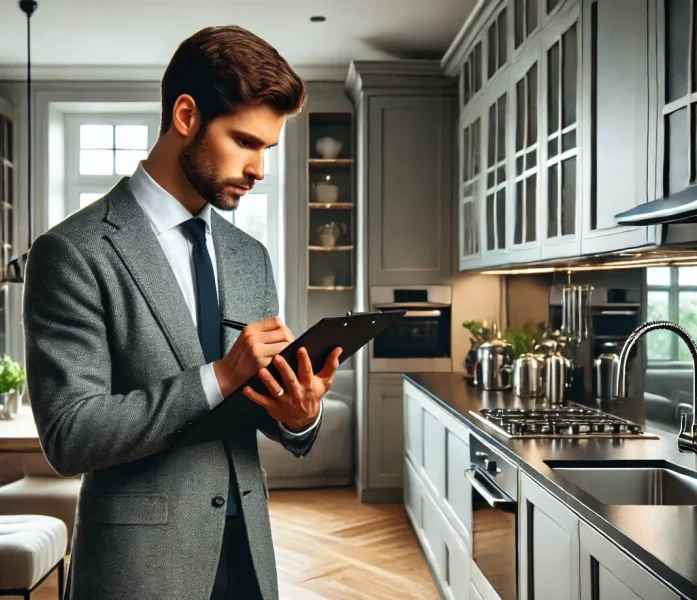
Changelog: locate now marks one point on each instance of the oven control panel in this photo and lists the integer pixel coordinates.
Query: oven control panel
(491, 462)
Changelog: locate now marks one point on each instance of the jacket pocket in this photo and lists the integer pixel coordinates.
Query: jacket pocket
(123, 509)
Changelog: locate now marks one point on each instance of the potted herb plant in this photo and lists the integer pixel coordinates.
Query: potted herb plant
(11, 387)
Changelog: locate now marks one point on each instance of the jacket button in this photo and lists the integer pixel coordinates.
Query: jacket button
(218, 501)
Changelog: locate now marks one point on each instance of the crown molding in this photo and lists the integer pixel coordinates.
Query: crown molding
(455, 54)
(139, 72)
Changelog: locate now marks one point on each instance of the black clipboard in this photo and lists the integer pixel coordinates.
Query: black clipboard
(350, 332)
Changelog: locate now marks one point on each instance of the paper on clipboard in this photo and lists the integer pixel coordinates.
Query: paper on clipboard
(350, 332)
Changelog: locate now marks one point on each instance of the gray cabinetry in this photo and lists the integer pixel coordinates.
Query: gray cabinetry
(617, 97)
(385, 451)
(407, 143)
(571, 111)
(607, 573)
(549, 551)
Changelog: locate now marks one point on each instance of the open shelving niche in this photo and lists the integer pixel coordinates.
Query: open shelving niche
(330, 257)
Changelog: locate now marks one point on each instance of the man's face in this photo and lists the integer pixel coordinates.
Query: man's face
(223, 161)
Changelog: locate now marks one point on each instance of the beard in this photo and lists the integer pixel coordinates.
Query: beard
(200, 170)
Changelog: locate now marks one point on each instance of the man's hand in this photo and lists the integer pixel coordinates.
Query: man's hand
(254, 348)
(296, 402)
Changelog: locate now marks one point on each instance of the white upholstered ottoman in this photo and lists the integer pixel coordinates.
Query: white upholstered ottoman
(31, 548)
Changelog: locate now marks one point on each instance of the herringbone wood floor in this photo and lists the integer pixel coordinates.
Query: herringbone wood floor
(331, 547)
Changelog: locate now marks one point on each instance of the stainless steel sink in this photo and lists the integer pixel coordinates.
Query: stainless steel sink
(645, 485)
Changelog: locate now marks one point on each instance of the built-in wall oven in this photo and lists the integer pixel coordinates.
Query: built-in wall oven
(421, 340)
(494, 482)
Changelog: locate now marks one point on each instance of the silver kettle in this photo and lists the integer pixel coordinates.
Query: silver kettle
(492, 370)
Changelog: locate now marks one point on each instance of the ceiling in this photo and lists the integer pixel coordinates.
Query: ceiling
(142, 33)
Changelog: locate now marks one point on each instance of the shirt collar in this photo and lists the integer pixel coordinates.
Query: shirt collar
(163, 210)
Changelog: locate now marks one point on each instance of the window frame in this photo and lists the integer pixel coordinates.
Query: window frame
(75, 183)
(673, 289)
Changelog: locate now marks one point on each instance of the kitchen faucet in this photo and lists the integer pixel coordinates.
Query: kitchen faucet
(687, 438)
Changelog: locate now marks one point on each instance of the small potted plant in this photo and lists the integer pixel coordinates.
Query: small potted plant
(11, 387)
(479, 333)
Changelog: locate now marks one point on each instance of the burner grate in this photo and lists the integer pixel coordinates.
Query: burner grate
(560, 422)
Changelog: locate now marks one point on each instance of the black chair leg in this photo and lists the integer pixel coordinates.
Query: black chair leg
(61, 578)
(27, 595)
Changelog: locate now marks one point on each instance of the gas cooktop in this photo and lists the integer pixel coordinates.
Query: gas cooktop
(561, 422)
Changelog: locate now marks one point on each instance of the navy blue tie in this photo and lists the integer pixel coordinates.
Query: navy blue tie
(210, 331)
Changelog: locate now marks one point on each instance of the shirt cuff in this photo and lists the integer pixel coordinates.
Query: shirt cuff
(210, 386)
(293, 434)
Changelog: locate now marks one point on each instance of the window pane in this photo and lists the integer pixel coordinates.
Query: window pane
(89, 197)
(127, 160)
(687, 317)
(96, 136)
(687, 276)
(658, 343)
(96, 162)
(251, 216)
(658, 276)
(132, 137)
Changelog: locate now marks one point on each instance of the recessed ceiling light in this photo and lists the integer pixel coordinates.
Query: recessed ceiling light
(318, 19)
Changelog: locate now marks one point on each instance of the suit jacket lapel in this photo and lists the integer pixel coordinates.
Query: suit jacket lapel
(231, 294)
(142, 254)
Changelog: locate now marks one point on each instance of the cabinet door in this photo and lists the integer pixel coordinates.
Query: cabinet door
(385, 432)
(494, 212)
(524, 93)
(560, 124)
(616, 112)
(410, 188)
(607, 573)
(470, 192)
(413, 425)
(549, 551)
(456, 565)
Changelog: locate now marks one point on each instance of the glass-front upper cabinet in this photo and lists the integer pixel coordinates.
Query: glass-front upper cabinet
(678, 99)
(525, 92)
(561, 134)
(496, 172)
(471, 75)
(497, 42)
(470, 177)
(526, 18)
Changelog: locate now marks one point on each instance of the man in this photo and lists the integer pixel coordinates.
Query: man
(122, 307)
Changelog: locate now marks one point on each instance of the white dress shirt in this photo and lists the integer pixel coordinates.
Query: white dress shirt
(166, 215)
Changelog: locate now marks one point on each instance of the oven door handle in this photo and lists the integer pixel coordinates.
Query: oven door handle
(491, 500)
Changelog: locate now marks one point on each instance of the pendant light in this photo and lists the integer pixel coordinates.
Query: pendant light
(14, 272)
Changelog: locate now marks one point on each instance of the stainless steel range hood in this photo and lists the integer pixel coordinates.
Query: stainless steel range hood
(681, 207)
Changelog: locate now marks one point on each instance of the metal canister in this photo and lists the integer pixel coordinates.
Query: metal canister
(527, 375)
(557, 377)
(607, 369)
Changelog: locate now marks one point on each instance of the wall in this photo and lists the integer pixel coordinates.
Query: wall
(478, 297)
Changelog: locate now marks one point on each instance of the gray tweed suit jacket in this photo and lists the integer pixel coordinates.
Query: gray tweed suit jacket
(112, 359)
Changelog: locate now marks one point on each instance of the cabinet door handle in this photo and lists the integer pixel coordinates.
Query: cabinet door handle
(482, 491)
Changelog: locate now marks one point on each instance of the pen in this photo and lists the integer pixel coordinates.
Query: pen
(234, 324)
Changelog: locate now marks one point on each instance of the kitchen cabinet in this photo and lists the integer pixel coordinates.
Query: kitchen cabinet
(549, 546)
(561, 128)
(407, 141)
(607, 573)
(437, 495)
(385, 435)
(617, 103)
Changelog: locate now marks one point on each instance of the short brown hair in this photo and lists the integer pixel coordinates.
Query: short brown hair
(222, 67)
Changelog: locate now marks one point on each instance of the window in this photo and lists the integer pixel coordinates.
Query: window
(100, 150)
(671, 295)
